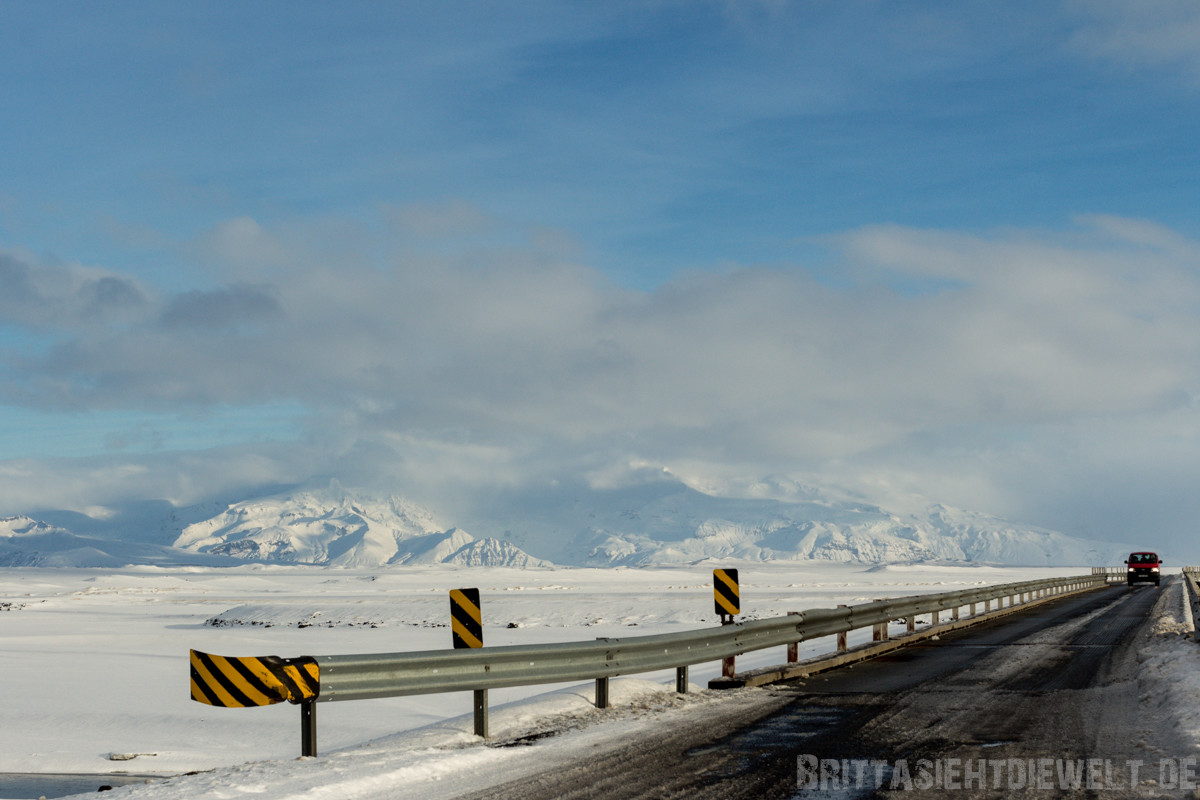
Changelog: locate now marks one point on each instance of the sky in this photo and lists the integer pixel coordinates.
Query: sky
(924, 251)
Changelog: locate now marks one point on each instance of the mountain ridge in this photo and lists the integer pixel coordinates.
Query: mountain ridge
(336, 527)
(660, 521)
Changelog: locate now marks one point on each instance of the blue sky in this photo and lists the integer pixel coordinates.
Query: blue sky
(934, 250)
(662, 136)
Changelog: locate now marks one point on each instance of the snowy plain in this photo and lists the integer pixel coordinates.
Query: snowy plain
(95, 666)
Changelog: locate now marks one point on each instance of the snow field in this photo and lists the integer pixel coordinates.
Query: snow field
(95, 661)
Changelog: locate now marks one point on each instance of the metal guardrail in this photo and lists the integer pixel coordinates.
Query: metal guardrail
(1114, 574)
(1191, 578)
(360, 677)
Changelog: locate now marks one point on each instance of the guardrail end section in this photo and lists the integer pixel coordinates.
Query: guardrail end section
(242, 682)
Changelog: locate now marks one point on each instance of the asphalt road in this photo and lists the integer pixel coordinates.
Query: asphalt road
(1015, 707)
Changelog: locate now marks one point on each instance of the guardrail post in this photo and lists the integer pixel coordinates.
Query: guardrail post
(793, 648)
(308, 728)
(841, 637)
(911, 623)
(954, 613)
(481, 713)
(879, 633)
(681, 680)
(601, 692)
(727, 668)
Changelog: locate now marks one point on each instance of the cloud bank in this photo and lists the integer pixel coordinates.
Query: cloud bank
(1042, 374)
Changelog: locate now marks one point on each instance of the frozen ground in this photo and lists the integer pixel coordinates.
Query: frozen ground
(95, 665)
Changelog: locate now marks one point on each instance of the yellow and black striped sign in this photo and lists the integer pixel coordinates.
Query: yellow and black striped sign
(466, 618)
(262, 681)
(725, 592)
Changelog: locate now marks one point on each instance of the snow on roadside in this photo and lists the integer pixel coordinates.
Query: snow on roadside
(445, 760)
(1169, 673)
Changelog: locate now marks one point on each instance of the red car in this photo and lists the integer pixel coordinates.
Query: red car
(1143, 567)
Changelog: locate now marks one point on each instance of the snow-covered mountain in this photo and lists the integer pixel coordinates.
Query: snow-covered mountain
(25, 542)
(667, 522)
(340, 528)
(657, 521)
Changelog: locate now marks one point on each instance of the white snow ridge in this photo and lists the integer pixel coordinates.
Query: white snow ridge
(335, 527)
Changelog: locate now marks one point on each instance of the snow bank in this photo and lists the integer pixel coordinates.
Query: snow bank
(1169, 674)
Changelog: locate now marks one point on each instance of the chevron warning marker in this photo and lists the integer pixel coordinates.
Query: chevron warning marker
(726, 597)
(466, 618)
(253, 681)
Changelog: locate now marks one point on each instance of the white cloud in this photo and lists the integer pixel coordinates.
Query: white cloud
(937, 372)
(1140, 33)
(452, 218)
(92, 484)
(43, 295)
(241, 244)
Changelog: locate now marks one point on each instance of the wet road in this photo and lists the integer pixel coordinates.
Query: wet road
(1014, 707)
(51, 784)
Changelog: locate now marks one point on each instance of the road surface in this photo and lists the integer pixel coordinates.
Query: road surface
(1042, 703)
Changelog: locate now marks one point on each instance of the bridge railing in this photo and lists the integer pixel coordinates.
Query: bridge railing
(1191, 578)
(1112, 574)
(257, 681)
